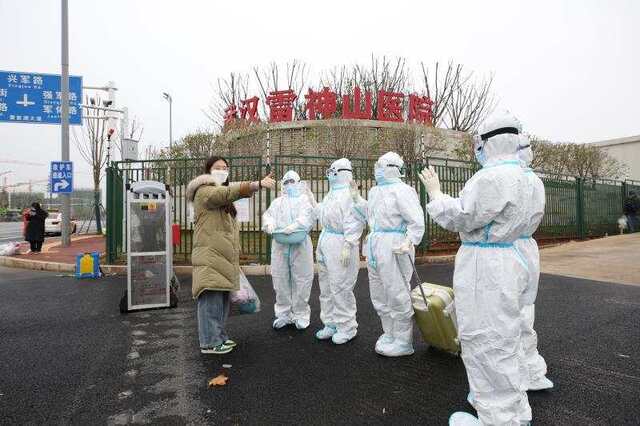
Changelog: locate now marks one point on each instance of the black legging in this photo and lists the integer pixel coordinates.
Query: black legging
(36, 246)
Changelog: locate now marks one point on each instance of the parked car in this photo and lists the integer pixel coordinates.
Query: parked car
(52, 225)
(11, 216)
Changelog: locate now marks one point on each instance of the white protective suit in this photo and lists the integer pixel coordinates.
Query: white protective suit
(490, 274)
(396, 225)
(338, 256)
(536, 367)
(291, 265)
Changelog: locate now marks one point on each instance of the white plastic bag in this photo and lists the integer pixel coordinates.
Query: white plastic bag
(9, 249)
(246, 299)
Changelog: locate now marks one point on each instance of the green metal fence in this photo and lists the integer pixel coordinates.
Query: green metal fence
(575, 208)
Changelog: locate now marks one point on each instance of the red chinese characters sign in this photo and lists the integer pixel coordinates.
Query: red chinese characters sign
(323, 104)
(356, 111)
(420, 109)
(281, 105)
(390, 106)
(249, 109)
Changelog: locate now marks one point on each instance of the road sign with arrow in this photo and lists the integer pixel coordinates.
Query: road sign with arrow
(61, 177)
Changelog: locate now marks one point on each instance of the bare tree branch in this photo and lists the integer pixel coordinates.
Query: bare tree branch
(92, 143)
(470, 103)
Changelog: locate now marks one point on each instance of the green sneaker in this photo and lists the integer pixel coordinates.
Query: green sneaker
(230, 343)
(221, 349)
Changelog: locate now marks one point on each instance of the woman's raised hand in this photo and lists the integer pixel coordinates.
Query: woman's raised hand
(268, 182)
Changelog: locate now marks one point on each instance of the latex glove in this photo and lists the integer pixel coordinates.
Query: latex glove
(268, 182)
(404, 247)
(290, 229)
(431, 182)
(345, 255)
(269, 228)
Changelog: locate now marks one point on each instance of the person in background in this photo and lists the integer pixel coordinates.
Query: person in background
(34, 232)
(291, 264)
(25, 222)
(216, 249)
(631, 209)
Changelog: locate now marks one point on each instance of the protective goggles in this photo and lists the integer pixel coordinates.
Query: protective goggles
(500, 131)
(332, 172)
(400, 169)
(288, 182)
(477, 142)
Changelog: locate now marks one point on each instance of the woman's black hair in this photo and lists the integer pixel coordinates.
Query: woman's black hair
(36, 206)
(229, 208)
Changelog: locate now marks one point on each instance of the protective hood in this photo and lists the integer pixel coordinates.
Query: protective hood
(290, 175)
(342, 171)
(499, 138)
(388, 167)
(291, 188)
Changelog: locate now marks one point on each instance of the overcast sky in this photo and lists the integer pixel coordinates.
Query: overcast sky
(570, 70)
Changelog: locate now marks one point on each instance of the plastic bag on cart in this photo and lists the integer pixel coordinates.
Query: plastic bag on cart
(246, 299)
(9, 249)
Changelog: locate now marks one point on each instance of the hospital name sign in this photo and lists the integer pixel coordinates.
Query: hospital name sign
(323, 104)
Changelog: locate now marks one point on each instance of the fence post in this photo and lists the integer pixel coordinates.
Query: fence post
(623, 188)
(267, 255)
(109, 232)
(424, 244)
(580, 219)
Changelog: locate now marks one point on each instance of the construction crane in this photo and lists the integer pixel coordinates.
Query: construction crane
(22, 163)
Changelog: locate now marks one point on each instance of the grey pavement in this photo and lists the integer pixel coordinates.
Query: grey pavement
(69, 357)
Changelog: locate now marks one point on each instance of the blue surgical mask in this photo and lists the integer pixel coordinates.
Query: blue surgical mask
(332, 178)
(379, 175)
(292, 190)
(481, 156)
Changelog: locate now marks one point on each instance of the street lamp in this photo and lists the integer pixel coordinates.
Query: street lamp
(168, 98)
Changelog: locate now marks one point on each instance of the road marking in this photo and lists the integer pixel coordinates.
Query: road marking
(125, 394)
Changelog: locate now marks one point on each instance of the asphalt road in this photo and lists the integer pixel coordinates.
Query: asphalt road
(12, 231)
(69, 357)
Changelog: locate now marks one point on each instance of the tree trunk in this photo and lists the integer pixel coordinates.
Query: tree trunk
(96, 203)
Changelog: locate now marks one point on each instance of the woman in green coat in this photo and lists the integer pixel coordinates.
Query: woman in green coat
(216, 249)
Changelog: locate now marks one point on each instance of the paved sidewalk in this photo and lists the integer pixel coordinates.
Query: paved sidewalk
(611, 259)
(54, 258)
(52, 251)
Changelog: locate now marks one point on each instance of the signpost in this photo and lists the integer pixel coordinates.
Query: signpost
(27, 97)
(61, 177)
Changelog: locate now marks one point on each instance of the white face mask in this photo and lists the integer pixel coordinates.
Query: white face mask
(219, 176)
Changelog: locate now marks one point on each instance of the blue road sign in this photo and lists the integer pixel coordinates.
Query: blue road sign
(61, 177)
(36, 98)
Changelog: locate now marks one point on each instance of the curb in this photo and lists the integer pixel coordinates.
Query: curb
(250, 270)
(36, 265)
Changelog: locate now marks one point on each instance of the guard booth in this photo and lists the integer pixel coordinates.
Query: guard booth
(149, 251)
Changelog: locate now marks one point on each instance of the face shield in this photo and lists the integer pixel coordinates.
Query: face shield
(478, 150)
(291, 184)
(525, 154)
(337, 175)
(383, 172)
